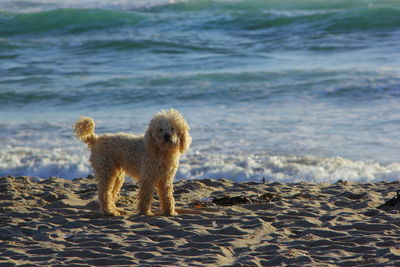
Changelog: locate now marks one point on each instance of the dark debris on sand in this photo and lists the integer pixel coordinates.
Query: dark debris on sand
(237, 200)
(228, 200)
(392, 203)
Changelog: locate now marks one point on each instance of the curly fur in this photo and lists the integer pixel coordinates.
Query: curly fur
(152, 159)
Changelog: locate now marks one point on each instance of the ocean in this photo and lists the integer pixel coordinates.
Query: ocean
(279, 90)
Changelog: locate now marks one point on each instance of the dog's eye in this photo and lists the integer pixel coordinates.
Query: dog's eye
(172, 129)
(160, 130)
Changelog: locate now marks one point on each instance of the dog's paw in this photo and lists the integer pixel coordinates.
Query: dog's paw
(146, 213)
(170, 213)
(121, 211)
(112, 213)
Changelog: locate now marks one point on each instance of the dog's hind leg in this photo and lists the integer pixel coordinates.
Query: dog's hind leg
(119, 181)
(107, 178)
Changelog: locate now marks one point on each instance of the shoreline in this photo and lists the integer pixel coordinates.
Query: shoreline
(57, 222)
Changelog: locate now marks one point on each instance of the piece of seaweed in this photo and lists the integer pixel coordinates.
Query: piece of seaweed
(237, 200)
(392, 202)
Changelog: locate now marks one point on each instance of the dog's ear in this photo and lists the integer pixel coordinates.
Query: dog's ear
(150, 142)
(185, 140)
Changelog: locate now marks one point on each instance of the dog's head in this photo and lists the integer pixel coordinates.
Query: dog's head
(168, 131)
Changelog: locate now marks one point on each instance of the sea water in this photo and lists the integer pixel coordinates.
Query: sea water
(285, 91)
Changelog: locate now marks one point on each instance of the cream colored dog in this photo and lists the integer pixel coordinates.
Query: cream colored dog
(152, 159)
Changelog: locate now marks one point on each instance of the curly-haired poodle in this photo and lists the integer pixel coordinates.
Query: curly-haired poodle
(152, 159)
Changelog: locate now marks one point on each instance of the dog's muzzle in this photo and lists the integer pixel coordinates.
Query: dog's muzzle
(167, 138)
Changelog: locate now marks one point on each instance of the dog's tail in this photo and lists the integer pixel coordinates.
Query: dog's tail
(84, 131)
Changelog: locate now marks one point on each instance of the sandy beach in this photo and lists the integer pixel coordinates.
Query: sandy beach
(56, 222)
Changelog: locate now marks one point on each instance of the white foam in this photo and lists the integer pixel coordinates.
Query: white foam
(47, 150)
(19, 161)
(286, 169)
(73, 162)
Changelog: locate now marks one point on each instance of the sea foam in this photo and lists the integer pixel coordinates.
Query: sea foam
(73, 163)
(42, 162)
(244, 168)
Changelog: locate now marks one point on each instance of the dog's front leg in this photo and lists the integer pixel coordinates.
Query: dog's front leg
(146, 194)
(166, 194)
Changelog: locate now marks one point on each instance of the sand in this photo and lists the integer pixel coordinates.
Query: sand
(56, 222)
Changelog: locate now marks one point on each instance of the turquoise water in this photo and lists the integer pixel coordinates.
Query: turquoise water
(285, 90)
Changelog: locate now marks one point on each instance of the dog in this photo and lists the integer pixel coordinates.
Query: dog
(151, 159)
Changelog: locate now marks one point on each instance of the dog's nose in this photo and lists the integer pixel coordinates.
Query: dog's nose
(166, 136)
